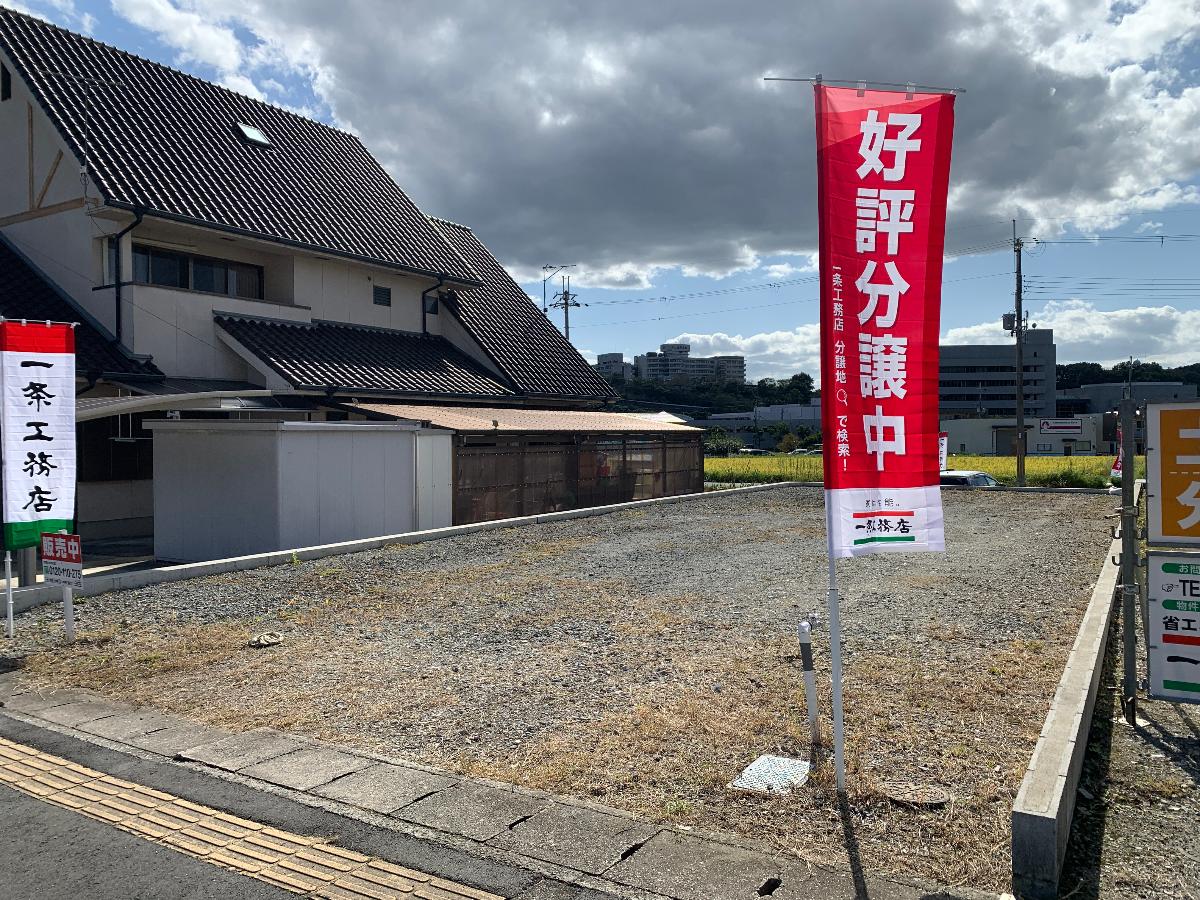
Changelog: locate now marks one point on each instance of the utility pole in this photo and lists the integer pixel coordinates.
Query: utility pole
(1129, 585)
(564, 300)
(552, 271)
(1020, 335)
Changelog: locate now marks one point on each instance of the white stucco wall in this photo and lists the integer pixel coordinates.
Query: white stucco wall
(232, 488)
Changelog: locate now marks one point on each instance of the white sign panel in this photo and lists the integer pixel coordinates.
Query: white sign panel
(1173, 592)
(1060, 426)
(37, 430)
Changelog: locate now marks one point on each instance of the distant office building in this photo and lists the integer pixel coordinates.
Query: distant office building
(613, 365)
(1069, 436)
(1102, 398)
(674, 362)
(976, 380)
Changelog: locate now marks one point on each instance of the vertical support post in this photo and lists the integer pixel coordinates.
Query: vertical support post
(835, 659)
(69, 612)
(8, 589)
(810, 680)
(1129, 588)
(1020, 363)
(27, 566)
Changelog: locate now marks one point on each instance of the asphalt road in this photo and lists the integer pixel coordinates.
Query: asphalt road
(50, 853)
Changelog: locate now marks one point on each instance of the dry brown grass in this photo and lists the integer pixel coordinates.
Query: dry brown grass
(930, 722)
(943, 715)
(118, 660)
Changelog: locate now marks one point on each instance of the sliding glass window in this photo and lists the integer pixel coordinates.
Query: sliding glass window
(153, 265)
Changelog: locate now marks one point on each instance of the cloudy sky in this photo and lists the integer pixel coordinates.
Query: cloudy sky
(639, 142)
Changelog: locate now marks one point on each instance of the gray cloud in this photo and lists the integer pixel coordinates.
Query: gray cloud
(630, 137)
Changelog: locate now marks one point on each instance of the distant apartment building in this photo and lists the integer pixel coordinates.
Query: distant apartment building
(976, 380)
(613, 365)
(674, 362)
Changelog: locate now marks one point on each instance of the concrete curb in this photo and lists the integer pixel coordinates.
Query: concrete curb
(1045, 803)
(27, 598)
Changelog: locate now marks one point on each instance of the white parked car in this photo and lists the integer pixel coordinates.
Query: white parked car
(968, 478)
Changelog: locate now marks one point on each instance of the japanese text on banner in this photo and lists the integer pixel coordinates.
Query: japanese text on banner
(37, 428)
(883, 161)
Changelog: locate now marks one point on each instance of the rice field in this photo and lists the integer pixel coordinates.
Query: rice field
(1040, 471)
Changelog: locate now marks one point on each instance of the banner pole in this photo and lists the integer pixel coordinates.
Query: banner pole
(8, 589)
(835, 657)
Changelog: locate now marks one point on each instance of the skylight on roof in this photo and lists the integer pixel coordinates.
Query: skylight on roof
(254, 135)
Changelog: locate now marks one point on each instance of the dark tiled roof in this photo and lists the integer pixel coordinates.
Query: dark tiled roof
(357, 358)
(167, 142)
(27, 294)
(515, 333)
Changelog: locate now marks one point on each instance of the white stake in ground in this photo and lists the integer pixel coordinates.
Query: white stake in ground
(810, 680)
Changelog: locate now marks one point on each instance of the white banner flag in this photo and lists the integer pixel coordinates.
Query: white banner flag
(37, 430)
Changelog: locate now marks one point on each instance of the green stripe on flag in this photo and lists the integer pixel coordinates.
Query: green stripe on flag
(1181, 686)
(18, 535)
(878, 539)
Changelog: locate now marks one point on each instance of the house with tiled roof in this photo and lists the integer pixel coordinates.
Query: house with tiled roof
(214, 236)
(224, 257)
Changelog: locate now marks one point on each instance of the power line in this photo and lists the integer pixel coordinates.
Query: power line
(695, 295)
(714, 312)
(1121, 238)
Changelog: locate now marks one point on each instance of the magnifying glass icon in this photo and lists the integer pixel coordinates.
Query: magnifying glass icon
(842, 396)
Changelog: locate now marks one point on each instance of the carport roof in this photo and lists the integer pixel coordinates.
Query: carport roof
(494, 419)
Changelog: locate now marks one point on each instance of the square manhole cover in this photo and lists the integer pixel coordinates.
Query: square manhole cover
(772, 775)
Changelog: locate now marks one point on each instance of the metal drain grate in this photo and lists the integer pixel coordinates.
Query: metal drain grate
(772, 775)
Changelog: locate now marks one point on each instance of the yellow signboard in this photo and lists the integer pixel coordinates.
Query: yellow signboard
(1173, 472)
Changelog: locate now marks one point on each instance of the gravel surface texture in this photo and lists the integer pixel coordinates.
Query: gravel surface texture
(1136, 832)
(641, 659)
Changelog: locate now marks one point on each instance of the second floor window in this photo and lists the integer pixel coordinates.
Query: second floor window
(167, 268)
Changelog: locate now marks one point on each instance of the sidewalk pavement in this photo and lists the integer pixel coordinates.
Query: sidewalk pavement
(498, 838)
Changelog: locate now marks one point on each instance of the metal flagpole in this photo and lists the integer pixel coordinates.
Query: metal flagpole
(835, 656)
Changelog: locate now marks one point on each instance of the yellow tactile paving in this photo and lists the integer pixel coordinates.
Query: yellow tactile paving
(305, 865)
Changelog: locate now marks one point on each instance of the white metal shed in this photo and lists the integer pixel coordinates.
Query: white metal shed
(231, 488)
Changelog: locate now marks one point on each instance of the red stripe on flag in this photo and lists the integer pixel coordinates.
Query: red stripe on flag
(871, 515)
(1180, 639)
(36, 337)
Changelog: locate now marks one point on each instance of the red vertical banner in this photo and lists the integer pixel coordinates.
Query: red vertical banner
(883, 166)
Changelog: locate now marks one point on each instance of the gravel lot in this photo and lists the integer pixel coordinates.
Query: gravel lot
(641, 659)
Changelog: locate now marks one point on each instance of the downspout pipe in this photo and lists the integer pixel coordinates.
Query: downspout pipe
(441, 281)
(117, 275)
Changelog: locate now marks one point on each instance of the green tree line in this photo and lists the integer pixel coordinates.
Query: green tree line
(1073, 375)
